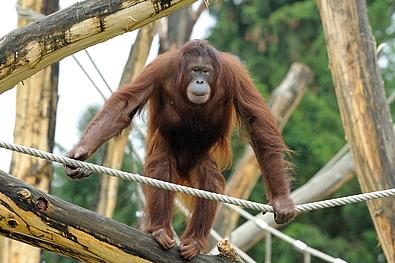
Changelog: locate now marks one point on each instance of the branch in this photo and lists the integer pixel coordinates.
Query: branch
(42, 220)
(181, 24)
(27, 50)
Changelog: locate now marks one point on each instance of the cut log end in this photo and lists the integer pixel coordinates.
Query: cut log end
(227, 251)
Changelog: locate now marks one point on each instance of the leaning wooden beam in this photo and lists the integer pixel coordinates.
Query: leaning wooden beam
(27, 50)
(363, 108)
(42, 220)
(284, 100)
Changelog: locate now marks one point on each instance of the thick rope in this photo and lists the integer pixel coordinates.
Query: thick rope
(192, 191)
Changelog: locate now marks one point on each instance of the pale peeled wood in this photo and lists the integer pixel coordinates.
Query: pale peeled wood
(284, 100)
(116, 146)
(45, 221)
(25, 51)
(362, 103)
(36, 101)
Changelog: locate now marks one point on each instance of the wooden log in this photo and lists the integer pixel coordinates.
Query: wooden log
(226, 248)
(35, 120)
(42, 220)
(364, 111)
(25, 51)
(284, 100)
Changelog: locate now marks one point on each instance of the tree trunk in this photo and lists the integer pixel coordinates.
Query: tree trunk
(27, 50)
(284, 100)
(179, 27)
(37, 99)
(115, 151)
(42, 220)
(364, 111)
(176, 29)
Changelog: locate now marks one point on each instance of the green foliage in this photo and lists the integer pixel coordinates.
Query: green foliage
(79, 192)
(315, 133)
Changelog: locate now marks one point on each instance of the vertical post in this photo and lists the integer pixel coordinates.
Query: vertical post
(37, 99)
(268, 248)
(362, 103)
(306, 257)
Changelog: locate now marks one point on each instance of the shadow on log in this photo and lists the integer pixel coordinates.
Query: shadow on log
(42, 220)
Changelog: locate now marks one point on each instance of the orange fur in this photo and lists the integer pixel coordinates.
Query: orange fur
(190, 143)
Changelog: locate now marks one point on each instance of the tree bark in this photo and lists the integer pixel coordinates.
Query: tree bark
(42, 220)
(364, 111)
(27, 50)
(284, 100)
(37, 99)
(116, 147)
(176, 29)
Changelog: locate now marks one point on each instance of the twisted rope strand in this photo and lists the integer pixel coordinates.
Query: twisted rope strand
(346, 200)
(188, 190)
(136, 178)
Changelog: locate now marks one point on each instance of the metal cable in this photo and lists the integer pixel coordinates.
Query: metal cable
(98, 70)
(89, 77)
(188, 190)
(297, 244)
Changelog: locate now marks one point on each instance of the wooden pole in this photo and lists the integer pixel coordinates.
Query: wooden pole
(36, 218)
(364, 111)
(35, 119)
